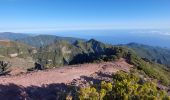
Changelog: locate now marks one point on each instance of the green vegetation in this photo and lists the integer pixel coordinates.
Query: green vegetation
(12, 36)
(124, 87)
(4, 67)
(155, 54)
(153, 70)
(12, 48)
(63, 52)
(44, 40)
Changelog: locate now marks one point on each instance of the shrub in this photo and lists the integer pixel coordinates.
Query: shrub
(4, 67)
(125, 87)
(88, 94)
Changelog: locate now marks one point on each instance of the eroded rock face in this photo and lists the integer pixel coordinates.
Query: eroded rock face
(65, 50)
(13, 55)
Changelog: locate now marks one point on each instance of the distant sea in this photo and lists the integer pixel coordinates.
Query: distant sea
(153, 37)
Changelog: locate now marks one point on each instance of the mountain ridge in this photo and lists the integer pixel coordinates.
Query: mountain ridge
(13, 36)
(155, 54)
(44, 40)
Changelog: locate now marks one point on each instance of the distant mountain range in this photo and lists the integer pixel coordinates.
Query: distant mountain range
(153, 37)
(35, 40)
(59, 48)
(44, 40)
(13, 36)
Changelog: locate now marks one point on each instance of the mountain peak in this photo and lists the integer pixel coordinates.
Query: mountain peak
(93, 41)
(132, 43)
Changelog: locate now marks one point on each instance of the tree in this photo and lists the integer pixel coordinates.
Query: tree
(3, 67)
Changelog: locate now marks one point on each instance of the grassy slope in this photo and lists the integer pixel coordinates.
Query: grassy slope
(156, 54)
(11, 47)
(44, 40)
(151, 69)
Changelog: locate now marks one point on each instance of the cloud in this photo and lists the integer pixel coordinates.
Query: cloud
(160, 32)
(154, 32)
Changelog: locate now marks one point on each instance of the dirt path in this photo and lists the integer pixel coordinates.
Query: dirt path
(63, 75)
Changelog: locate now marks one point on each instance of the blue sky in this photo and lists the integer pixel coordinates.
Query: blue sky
(33, 15)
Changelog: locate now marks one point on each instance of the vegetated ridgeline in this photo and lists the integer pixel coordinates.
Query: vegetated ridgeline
(156, 54)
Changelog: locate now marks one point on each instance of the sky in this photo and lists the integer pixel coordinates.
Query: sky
(44, 15)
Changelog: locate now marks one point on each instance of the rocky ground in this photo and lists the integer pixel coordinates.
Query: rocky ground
(64, 74)
(42, 84)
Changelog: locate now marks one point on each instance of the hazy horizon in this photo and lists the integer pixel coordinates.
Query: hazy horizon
(160, 38)
(110, 21)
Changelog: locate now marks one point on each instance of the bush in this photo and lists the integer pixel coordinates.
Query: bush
(88, 94)
(124, 87)
(128, 86)
(4, 67)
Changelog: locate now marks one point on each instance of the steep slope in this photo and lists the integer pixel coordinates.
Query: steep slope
(14, 49)
(44, 40)
(63, 52)
(16, 55)
(156, 54)
(55, 54)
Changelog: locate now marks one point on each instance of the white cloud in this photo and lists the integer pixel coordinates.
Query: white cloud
(154, 32)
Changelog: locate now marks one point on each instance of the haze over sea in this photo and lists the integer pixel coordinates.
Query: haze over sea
(153, 37)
